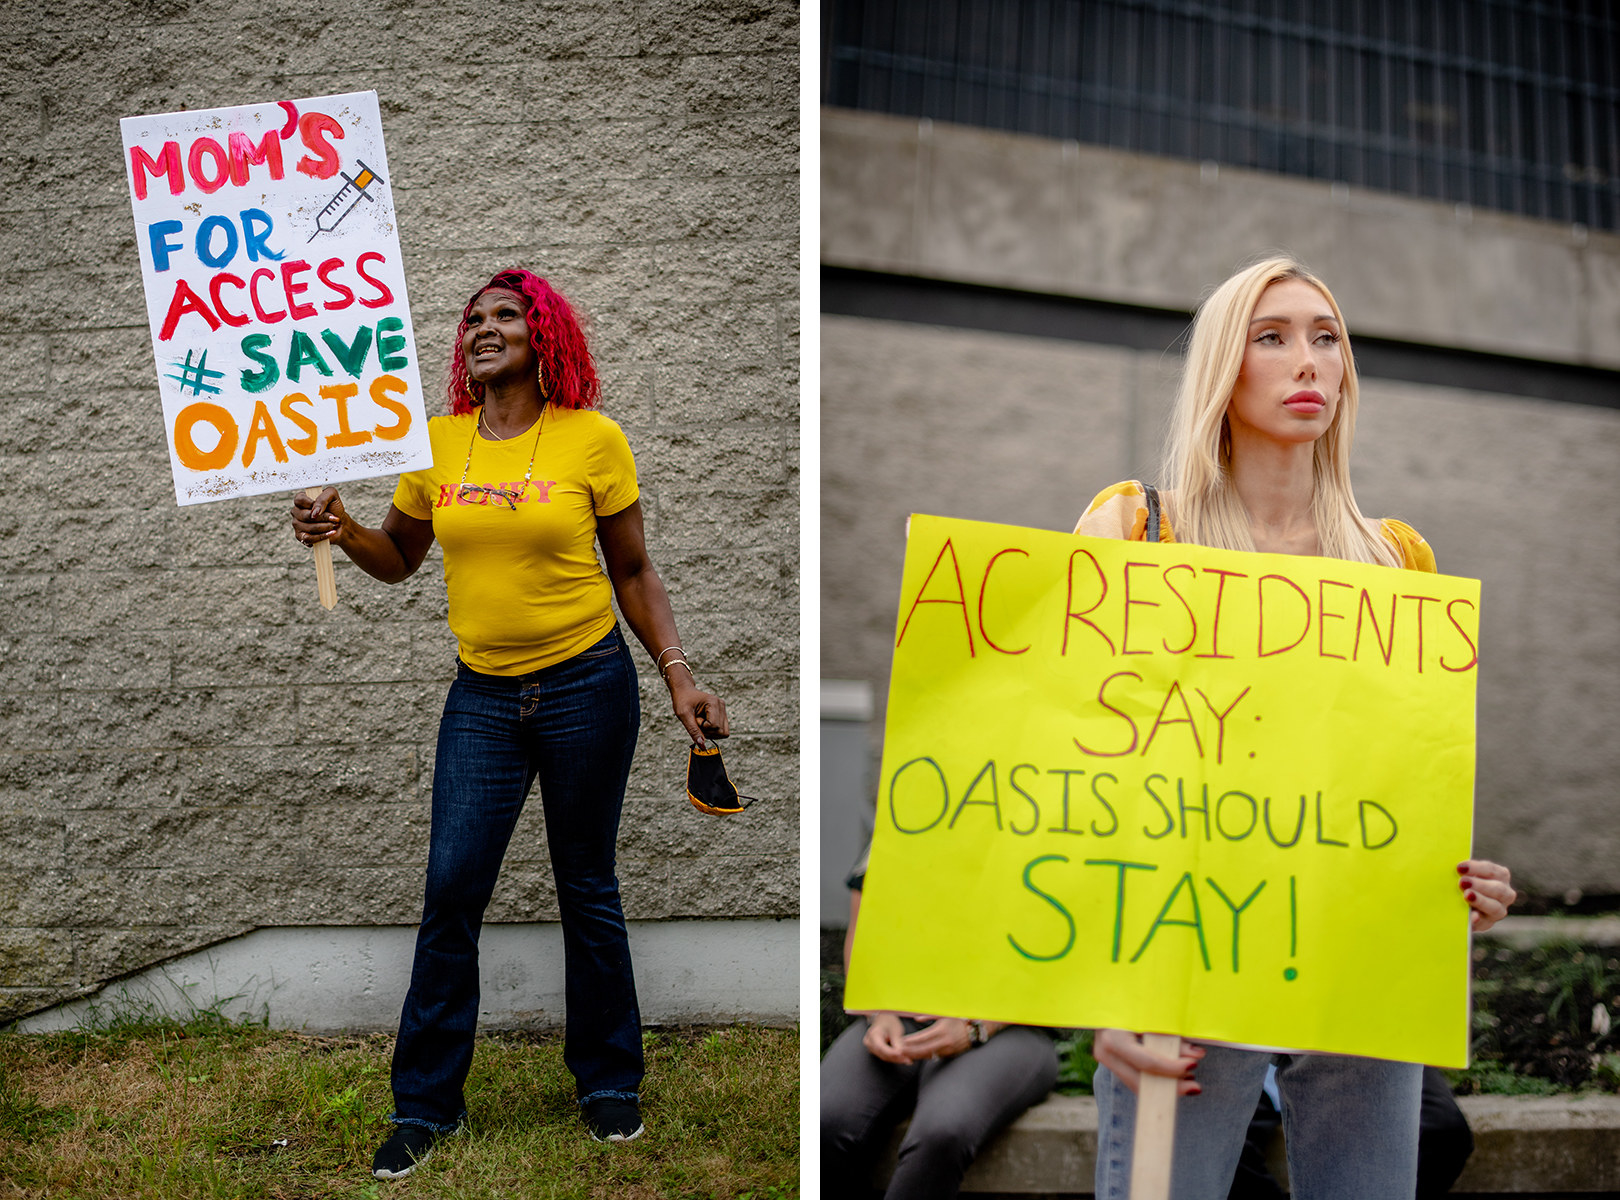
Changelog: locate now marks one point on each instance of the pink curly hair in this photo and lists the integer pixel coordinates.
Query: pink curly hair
(569, 374)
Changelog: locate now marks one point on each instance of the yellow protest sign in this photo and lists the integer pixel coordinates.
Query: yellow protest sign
(1164, 787)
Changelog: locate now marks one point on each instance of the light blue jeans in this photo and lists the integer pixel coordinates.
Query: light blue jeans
(1351, 1126)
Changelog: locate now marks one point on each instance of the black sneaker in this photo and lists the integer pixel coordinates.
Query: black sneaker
(611, 1119)
(407, 1148)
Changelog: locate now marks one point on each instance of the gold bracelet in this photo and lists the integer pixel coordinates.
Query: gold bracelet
(659, 661)
(664, 670)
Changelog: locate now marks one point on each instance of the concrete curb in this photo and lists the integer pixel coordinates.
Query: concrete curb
(1535, 1144)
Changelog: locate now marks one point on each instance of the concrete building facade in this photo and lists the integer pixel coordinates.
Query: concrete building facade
(190, 748)
(1000, 322)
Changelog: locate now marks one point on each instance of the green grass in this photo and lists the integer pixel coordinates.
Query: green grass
(144, 1108)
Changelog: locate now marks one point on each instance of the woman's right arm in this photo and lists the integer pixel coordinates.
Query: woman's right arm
(391, 554)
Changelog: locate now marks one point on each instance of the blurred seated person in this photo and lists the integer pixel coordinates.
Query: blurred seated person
(1444, 1143)
(960, 1082)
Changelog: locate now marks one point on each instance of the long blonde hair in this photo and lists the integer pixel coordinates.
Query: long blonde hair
(1202, 504)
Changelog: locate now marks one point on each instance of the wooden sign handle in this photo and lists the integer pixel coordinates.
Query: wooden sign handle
(1155, 1124)
(325, 580)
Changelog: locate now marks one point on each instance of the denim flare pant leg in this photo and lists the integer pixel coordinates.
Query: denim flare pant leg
(573, 726)
(1351, 1126)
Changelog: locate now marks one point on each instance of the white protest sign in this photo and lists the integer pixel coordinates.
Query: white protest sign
(275, 295)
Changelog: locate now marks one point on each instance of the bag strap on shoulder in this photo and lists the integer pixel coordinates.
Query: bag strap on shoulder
(1151, 533)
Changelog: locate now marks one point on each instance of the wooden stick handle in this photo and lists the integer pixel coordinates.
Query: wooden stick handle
(325, 580)
(1155, 1124)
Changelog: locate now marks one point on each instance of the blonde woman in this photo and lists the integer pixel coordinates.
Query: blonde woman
(1259, 459)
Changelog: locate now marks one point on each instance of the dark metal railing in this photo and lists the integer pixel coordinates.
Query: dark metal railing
(1505, 104)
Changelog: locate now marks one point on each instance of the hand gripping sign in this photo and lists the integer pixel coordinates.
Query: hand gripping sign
(276, 297)
(1164, 787)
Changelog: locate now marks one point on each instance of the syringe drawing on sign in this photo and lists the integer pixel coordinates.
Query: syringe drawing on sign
(349, 195)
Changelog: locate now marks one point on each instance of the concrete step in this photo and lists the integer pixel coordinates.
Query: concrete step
(1536, 1145)
(1525, 933)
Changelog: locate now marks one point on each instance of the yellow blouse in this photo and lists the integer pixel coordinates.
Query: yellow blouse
(1121, 512)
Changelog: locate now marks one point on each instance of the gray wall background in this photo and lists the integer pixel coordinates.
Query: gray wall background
(189, 746)
(1523, 494)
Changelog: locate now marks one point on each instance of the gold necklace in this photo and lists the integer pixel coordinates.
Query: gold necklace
(507, 494)
(484, 425)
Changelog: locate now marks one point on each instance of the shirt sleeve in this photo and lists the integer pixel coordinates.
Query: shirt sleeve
(412, 496)
(1117, 512)
(613, 472)
(855, 881)
(1414, 551)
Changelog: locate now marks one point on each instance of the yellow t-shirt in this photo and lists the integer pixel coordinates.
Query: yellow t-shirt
(1121, 512)
(525, 587)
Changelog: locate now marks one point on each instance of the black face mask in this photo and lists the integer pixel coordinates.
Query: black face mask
(708, 787)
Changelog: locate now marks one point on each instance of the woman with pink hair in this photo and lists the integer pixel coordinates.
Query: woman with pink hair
(527, 480)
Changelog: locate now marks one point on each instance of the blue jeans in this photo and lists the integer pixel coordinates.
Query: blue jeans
(1350, 1124)
(573, 725)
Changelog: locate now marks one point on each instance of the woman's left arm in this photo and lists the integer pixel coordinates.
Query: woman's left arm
(1488, 888)
(645, 605)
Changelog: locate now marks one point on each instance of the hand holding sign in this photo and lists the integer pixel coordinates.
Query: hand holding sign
(1131, 1057)
(317, 516)
(322, 515)
(1488, 888)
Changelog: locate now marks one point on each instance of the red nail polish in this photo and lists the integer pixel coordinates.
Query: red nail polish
(1463, 883)
(1471, 897)
(1196, 1091)
(1462, 868)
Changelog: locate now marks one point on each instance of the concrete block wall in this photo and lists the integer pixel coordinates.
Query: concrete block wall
(189, 746)
(1522, 494)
